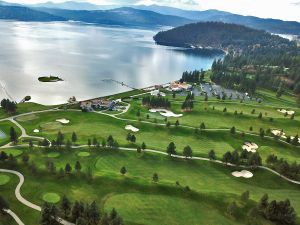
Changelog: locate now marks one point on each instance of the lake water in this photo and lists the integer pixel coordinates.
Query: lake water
(84, 56)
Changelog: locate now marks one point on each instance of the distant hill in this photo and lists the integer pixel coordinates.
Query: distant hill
(271, 25)
(26, 14)
(71, 5)
(125, 16)
(223, 36)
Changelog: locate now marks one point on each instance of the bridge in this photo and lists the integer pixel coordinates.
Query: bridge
(120, 82)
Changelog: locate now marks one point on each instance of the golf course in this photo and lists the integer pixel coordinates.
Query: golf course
(139, 178)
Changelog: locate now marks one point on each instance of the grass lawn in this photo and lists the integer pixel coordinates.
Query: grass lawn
(5, 128)
(4, 179)
(25, 108)
(213, 187)
(89, 125)
(211, 113)
(51, 198)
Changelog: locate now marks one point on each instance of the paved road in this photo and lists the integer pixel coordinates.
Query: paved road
(23, 200)
(13, 215)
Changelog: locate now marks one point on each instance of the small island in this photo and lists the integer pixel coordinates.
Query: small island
(50, 79)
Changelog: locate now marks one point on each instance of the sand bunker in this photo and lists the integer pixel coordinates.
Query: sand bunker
(278, 132)
(63, 121)
(165, 113)
(36, 131)
(250, 147)
(243, 173)
(284, 111)
(131, 128)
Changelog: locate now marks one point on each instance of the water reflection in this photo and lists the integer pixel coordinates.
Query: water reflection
(83, 56)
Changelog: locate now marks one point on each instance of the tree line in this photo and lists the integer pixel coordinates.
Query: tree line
(195, 76)
(8, 106)
(156, 102)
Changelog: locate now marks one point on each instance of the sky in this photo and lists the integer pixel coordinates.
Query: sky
(278, 9)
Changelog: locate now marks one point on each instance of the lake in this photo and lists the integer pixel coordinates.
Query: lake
(85, 56)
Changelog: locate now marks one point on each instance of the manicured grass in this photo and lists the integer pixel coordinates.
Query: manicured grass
(4, 179)
(5, 127)
(211, 113)
(83, 154)
(140, 201)
(51, 198)
(14, 152)
(53, 154)
(89, 125)
(25, 108)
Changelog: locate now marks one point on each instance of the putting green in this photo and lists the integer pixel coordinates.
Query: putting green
(53, 154)
(4, 179)
(83, 154)
(14, 152)
(51, 198)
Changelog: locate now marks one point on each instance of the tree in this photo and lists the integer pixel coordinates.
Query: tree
(94, 213)
(30, 144)
(202, 126)
(177, 123)
(295, 140)
(3, 204)
(25, 158)
(89, 142)
(143, 146)
(13, 135)
(138, 113)
(171, 149)
(81, 221)
(89, 174)
(95, 142)
(227, 157)
(212, 155)
(138, 149)
(123, 170)
(281, 212)
(77, 210)
(231, 209)
(261, 133)
(168, 124)
(74, 137)
(155, 177)
(232, 130)
(49, 214)
(68, 145)
(78, 166)
(110, 141)
(187, 152)
(245, 196)
(60, 139)
(68, 168)
(65, 206)
(264, 202)
(103, 143)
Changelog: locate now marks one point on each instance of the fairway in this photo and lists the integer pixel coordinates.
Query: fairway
(4, 179)
(53, 155)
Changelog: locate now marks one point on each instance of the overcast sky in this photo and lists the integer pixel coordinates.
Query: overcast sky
(280, 9)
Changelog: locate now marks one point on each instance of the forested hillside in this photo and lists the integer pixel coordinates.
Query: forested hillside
(253, 58)
(26, 14)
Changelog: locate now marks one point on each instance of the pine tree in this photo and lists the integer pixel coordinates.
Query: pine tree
(65, 206)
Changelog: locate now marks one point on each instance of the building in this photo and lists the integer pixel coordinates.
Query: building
(177, 86)
(93, 104)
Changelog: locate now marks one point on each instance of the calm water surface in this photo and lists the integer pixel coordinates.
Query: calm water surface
(84, 56)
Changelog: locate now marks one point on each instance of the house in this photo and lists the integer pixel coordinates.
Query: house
(177, 86)
(93, 104)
